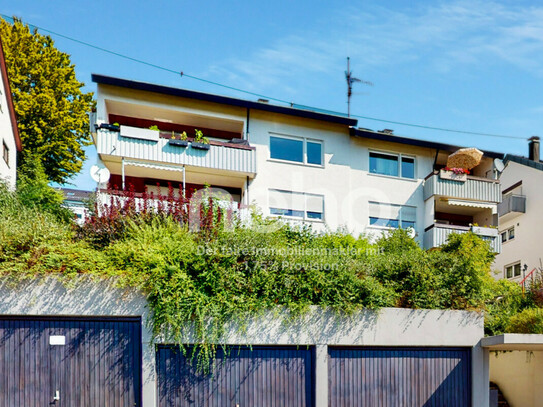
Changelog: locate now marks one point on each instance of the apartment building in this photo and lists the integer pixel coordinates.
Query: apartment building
(302, 165)
(9, 133)
(520, 218)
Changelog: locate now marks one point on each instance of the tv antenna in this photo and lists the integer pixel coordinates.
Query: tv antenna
(350, 81)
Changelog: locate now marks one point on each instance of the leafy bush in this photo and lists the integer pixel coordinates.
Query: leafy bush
(528, 321)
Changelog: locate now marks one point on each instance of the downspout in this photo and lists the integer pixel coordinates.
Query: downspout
(247, 124)
(435, 160)
(184, 196)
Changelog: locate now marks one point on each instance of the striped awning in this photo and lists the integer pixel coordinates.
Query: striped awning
(155, 166)
(472, 204)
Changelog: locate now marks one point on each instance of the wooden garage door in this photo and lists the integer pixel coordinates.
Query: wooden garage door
(89, 362)
(256, 377)
(398, 377)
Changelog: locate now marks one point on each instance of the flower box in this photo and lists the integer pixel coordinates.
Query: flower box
(200, 146)
(484, 231)
(443, 174)
(139, 133)
(178, 143)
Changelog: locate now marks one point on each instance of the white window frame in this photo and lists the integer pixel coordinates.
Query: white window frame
(400, 219)
(507, 234)
(304, 141)
(304, 218)
(512, 265)
(399, 156)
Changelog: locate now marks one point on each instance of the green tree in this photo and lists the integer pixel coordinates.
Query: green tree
(51, 109)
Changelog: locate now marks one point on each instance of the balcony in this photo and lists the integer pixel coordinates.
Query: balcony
(511, 206)
(149, 145)
(437, 234)
(473, 188)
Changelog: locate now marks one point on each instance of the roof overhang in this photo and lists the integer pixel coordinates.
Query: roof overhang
(11, 109)
(377, 135)
(505, 342)
(224, 100)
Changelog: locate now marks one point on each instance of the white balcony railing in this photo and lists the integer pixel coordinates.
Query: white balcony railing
(437, 234)
(220, 156)
(474, 188)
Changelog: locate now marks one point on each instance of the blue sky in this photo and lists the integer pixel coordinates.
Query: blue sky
(470, 65)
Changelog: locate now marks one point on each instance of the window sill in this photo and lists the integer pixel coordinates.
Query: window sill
(275, 160)
(393, 177)
(296, 219)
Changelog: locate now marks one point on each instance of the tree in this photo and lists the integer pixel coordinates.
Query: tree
(50, 107)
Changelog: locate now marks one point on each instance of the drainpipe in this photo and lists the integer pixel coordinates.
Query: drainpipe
(247, 124)
(247, 191)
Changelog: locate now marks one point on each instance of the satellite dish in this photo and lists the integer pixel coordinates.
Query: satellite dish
(411, 232)
(498, 164)
(100, 173)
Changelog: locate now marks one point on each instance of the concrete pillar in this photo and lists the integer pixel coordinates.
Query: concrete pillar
(321, 376)
(480, 376)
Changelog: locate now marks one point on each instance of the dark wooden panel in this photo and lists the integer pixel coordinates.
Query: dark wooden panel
(260, 376)
(395, 377)
(100, 364)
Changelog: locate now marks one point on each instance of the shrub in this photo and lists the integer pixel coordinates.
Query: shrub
(529, 321)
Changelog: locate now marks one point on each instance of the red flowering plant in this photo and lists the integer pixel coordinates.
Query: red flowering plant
(457, 171)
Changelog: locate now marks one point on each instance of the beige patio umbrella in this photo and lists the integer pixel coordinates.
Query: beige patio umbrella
(466, 158)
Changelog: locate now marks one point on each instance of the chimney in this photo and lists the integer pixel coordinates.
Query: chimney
(533, 148)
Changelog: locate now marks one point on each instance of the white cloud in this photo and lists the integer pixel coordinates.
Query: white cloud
(445, 36)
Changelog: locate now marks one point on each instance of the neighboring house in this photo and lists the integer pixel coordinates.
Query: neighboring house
(9, 133)
(302, 165)
(521, 219)
(78, 202)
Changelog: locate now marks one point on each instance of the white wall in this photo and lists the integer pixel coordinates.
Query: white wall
(7, 170)
(526, 246)
(387, 327)
(344, 180)
(519, 375)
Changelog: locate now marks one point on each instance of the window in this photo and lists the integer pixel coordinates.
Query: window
(394, 165)
(508, 234)
(296, 205)
(513, 270)
(5, 152)
(299, 150)
(392, 216)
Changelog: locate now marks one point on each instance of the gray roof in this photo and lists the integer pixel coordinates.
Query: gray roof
(524, 161)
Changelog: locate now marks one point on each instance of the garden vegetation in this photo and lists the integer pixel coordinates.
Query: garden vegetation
(200, 266)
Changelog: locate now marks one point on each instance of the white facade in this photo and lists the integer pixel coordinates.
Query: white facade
(9, 136)
(329, 184)
(520, 231)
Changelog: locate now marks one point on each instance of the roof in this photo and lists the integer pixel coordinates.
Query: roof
(224, 100)
(513, 342)
(523, 161)
(71, 194)
(11, 109)
(377, 135)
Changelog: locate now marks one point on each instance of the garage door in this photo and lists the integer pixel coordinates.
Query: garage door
(65, 362)
(397, 377)
(260, 376)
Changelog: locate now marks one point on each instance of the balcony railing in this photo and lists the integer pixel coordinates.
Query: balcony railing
(474, 188)
(437, 234)
(512, 205)
(220, 156)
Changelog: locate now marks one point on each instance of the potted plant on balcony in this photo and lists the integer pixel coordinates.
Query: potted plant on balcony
(179, 140)
(110, 127)
(200, 142)
(454, 174)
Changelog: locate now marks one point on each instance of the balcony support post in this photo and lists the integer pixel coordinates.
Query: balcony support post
(184, 196)
(122, 171)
